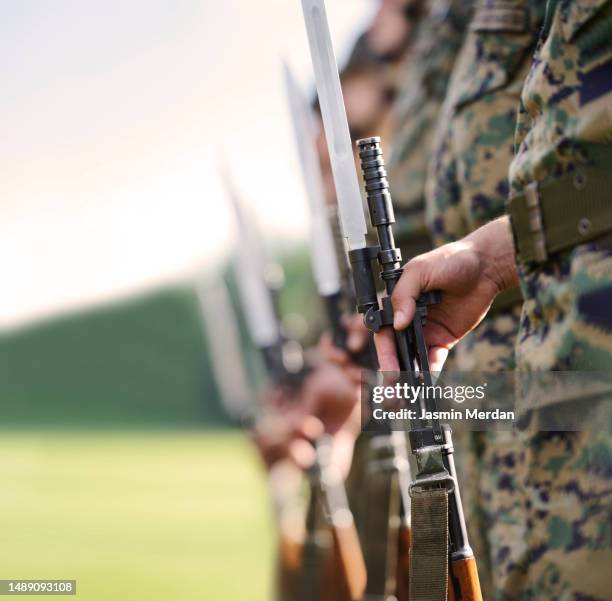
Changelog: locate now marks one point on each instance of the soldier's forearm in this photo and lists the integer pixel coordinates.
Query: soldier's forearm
(495, 248)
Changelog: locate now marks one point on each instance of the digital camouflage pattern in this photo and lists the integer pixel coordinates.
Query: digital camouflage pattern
(547, 502)
(566, 121)
(467, 186)
(563, 481)
(564, 113)
(421, 93)
(467, 183)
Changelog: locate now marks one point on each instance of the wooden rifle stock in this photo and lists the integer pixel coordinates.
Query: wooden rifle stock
(349, 561)
(289, 553)
(403, 563)
(464, 584)
(288, 566)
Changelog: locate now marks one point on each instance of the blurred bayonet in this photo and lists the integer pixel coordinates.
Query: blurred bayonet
(250, 270)
(324, 260)
(227, 361)
(324, 255)
(283, 358)
(240, 400)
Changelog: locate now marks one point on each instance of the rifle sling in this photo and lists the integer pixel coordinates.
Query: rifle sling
(382, 520)
(429, 552)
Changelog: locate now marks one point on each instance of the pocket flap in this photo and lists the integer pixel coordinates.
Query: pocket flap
(500, 15)
(497, 45)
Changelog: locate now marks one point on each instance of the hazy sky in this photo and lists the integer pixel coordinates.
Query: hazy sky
(112, 115)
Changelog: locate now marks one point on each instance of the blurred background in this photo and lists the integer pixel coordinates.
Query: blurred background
(120, 463)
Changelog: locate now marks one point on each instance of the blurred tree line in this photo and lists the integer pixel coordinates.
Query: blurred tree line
(142, 362)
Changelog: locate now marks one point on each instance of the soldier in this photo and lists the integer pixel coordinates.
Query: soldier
(418, 109)
(436, 38)
(561, 224)
(467, 186)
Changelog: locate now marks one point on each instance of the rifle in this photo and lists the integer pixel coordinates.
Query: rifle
(328, 501)
(386, 523)
(232, 378)
(442, 563)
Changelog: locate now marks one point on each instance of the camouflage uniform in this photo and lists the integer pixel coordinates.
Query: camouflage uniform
(421, 93)
(562, 480)
(467, 186)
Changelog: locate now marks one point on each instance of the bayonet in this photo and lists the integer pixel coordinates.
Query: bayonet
(323, 254)
(335, 122)
(222, 333)
(250, 266)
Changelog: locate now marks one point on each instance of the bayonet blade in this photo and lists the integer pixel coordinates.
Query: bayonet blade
(255, 295)
(224, 338)
(323, 252)
(335, 122)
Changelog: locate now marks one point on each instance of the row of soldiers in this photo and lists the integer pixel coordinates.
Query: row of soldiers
(497, 118)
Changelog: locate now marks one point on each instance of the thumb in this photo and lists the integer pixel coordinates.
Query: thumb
(437, 357)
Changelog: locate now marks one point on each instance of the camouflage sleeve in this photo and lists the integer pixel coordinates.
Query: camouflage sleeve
(421, 94)
(467, 181)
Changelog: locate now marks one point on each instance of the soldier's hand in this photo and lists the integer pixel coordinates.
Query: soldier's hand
(330, 396)
(469, 273)
(282, 424)
(357, 338)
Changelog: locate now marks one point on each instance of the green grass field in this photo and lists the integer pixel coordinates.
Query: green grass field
(168, 516)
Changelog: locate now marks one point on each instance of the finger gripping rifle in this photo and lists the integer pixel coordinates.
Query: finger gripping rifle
(442, 562)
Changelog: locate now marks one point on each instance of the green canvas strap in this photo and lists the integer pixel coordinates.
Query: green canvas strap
(382, 520)
(429, 550)
(573, 210)
(429, 515)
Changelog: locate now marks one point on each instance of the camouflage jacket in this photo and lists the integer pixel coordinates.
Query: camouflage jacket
(564, 124)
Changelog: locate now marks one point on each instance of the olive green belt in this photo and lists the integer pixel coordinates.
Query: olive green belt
(575, 209)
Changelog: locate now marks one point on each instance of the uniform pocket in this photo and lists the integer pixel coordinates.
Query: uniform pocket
(499, 38)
